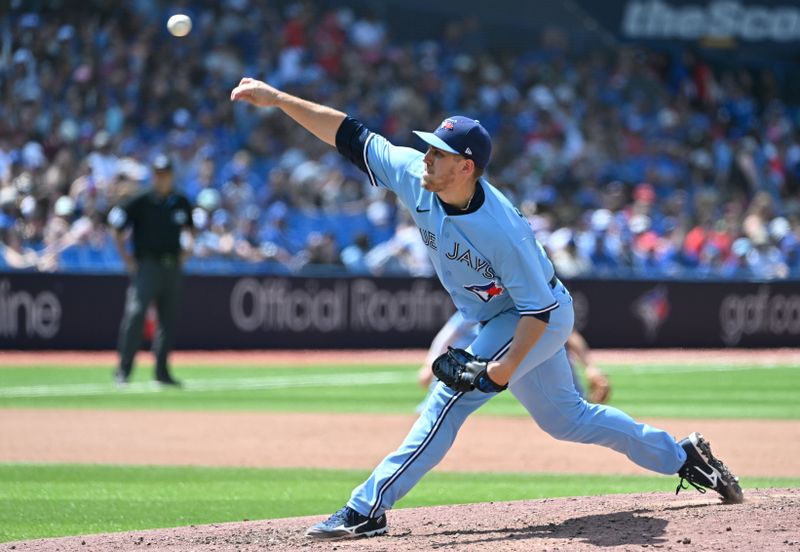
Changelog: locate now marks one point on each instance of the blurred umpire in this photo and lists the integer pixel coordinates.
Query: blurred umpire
(156, 218)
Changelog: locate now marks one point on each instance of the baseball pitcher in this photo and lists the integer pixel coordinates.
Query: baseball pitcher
(498, 275)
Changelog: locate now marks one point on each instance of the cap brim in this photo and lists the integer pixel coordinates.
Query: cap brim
(433, 140)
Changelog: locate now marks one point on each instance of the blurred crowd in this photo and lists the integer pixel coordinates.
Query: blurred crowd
(627, 162)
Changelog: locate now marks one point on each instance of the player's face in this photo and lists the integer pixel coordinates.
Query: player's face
(162, 183)
(441, 169)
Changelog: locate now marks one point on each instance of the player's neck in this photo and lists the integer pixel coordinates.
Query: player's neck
(460, 198)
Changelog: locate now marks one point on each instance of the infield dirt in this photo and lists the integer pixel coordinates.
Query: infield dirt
(766, 521)
(690, 521)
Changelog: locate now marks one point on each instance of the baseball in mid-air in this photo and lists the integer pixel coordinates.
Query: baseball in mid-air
(179, 25)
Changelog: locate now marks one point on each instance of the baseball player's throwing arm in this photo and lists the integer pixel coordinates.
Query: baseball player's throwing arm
(319, 120)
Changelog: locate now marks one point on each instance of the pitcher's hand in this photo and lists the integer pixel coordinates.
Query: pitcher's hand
(255, 92)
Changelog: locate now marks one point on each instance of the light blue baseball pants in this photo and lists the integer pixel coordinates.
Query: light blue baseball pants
(543, 384)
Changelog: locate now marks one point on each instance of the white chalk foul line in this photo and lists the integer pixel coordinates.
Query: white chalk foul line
(199, 385)
(327, 380)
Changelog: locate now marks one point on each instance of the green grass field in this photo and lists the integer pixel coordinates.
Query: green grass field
(54, 500)
(683, 391)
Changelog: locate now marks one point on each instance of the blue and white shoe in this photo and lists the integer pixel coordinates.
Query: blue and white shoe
(347, 523)
(702, 470)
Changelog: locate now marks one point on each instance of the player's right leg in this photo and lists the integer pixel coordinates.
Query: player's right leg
(425, 445)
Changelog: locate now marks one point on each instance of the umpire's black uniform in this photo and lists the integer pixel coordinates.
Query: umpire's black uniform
(156, 218)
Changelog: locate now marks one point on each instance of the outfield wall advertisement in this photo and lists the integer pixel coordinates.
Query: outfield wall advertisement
(724, 23)
(57, 311)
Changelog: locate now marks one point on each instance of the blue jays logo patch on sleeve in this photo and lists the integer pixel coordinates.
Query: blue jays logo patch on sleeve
(486, 292)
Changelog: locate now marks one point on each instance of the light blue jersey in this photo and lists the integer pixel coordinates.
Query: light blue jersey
(488, 258)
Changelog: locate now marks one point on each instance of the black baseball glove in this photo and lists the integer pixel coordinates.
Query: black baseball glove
(463, 372)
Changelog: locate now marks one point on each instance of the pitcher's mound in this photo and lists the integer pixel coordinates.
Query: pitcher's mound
(690, 521)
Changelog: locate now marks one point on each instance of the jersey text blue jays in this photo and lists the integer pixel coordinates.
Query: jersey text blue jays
(471, 260)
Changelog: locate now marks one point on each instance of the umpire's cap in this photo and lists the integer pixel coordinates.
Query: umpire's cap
(162, 163)
(463, 136)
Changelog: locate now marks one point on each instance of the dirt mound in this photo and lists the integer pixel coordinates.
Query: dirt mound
(766, 521)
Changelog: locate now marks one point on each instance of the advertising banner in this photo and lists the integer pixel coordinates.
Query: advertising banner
(54, 311)
(57, 311)
(687, 314)
(714, 23)
(308, 313)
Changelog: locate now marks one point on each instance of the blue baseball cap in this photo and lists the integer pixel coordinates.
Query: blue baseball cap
(463, 136)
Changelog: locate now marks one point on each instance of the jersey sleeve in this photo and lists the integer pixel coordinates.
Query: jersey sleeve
(526, 283)
(384, 163)
(122, 215)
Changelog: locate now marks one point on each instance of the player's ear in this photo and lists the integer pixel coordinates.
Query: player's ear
(469, 166)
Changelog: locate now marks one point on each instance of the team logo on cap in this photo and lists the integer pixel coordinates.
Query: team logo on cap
(486, 292)
(448, 124)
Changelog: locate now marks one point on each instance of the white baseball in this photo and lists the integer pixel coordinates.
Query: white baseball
(179, 25)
